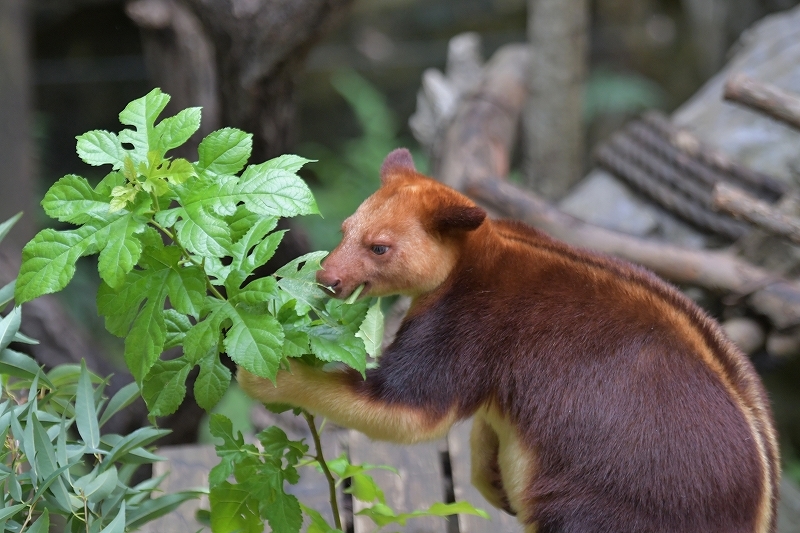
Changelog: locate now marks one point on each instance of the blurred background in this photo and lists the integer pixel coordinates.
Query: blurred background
(334, 81)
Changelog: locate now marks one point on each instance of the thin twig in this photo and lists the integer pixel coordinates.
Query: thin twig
(325, 470)
(741, 205)
(775, 102)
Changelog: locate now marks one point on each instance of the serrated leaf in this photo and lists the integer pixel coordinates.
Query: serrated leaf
(234, 510)
(288, 162)
(199, 224)
(254, 236)
(164, 388)
(121, 249)
(145, 341)
(274, 192)
(100, 147)
(283, 514)
(254, 341)
(202, 338)
(175, 131)
(85, 410)
(212, 382)
(371, 329)
(72, 199)
(318, 523)
(224, 151)
(177, 326)
(141, 114)
(48, 261)
(302, 284)
(331, 344)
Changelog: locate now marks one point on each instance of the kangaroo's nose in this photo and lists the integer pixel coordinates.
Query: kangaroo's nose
(330, 282)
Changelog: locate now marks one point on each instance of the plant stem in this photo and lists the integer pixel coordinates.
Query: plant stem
(325, 470)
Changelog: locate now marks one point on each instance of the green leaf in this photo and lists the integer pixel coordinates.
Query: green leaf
(302, 283)
(254, 236)
(141, 114)
(48, 261)
(42, 524)
(224, 151)
(118, 524)
(198, 221)
(175, 131)
(330, 344)
(364, 488)
(177, 326)
(102, 486)
(21, 366)
(371, 329)
(254, 341)
(100, 147)
(233, 510)
(7, 293)
(283, 514)
(11, 511)
(124, 397)
(288, 162)
(275, 192)
(212, 382)
(120, 248)
(132, 441)
(9, 326)
(164, 388)
(158, 507)
(86, 411)
(46, 463)
(6, 226)
(145, 340)
(318, 523)
(72, 199)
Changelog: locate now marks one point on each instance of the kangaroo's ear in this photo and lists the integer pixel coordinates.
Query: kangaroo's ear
(396, 162)
(458, 217)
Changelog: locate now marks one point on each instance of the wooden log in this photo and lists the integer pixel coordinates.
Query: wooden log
(777, 298)
(480, 137)
(771, 100)
(741, 205)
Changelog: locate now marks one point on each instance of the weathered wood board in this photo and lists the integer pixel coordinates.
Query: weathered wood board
(419, 484)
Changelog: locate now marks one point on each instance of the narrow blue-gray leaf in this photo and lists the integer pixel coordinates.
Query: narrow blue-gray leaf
(85, 410)
(9, 326)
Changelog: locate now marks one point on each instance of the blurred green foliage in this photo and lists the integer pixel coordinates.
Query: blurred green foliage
(346, 174)
(609, 92)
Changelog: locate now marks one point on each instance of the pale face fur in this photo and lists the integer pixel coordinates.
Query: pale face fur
(415, 261)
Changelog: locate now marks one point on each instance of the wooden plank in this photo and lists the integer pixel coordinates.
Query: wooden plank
(419, 484)
(501, 522)
(186, 467)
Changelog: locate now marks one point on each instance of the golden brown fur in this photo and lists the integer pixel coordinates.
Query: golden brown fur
(604, 400)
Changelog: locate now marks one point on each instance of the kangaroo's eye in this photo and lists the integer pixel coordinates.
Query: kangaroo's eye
(379, 249)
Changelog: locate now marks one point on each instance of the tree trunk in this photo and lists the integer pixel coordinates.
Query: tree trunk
(260, 47)
(16, 150)
(557, 32)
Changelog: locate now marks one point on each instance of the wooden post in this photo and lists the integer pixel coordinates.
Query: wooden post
(557, 31)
